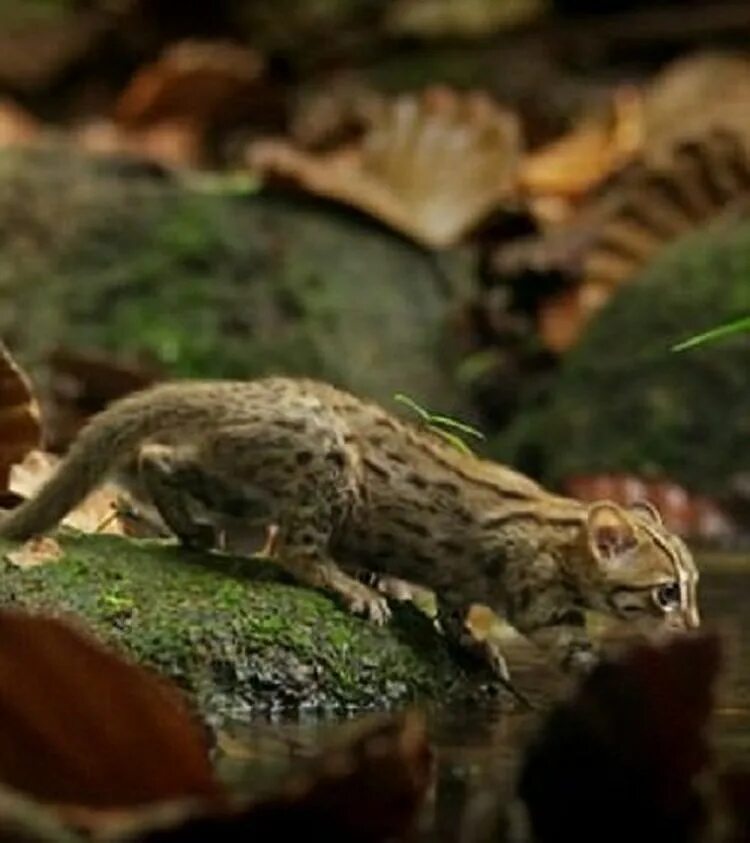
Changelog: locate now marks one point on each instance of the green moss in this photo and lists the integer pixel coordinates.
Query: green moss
(237, 634)
(624, 402)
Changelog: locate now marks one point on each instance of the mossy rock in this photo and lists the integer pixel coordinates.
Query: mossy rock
(104, 255)
(237, 634)
(623, 401)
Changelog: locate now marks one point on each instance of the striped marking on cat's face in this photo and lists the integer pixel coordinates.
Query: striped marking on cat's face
(647, 573)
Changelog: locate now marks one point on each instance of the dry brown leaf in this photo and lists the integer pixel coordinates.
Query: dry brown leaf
(164, 113)
(579, 161)
(40, 550)
(693, 95)
(193, 81)
(645, 211)
(431, 166)
(98, 513)
(81, 726)
(20, 425)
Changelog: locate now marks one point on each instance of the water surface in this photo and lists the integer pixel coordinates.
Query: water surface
(478, 750)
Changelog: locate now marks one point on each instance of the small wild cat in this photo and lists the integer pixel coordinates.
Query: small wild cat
(349, 485)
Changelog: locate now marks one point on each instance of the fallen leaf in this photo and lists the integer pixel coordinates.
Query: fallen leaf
(579, 161)
(97, 513)
(200, 82)
(39, 550)
(20, 424)
(432, 167)
(629, 745)
(169, 106)
(696, 94)
(81, 726)
(639, 214)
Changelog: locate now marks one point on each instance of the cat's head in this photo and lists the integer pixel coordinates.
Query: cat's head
(640, 570)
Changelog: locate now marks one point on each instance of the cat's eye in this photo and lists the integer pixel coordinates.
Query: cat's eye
(667, 596)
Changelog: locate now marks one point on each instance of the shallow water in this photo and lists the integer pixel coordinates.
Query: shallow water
(478, 750)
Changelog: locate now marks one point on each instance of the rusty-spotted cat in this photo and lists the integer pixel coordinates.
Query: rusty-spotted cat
(348, 484)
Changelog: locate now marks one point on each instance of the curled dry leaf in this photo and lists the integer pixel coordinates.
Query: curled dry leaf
(629, 745)
(20, 425)
(164, 113)
(430, 166)
(39, 550)
(640, 214)
(199, 82)
(579, 161)
(83, 727)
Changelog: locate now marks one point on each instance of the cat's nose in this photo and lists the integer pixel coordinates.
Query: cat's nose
(692, 618)
(686, 620)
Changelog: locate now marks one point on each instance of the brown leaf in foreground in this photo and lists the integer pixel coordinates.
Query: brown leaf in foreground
(79, 726)
(625, 753)
(20, 426)
(39, 550)
(431, 167)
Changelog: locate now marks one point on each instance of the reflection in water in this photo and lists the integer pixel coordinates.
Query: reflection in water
(478, 750)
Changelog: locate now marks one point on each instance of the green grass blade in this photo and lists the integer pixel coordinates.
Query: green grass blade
(454, 440)
(437, 424)
(447, 421)
(722, 331)
(420, 411)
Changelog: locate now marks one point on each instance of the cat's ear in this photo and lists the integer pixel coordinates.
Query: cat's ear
(647, 511)
(609, 532)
